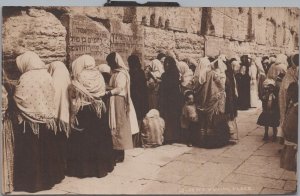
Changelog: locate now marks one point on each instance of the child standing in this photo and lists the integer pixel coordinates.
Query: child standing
(189, 116)
(270, 114)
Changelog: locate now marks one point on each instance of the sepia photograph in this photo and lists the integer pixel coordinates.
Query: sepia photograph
(149, 100)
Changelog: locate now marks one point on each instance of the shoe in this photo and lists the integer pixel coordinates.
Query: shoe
(265, 138)
(190, 145)
(274, 139)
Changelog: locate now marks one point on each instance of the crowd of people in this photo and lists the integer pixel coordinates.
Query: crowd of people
(79, 122)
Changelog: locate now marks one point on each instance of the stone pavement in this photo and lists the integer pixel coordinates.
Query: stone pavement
(249, 167)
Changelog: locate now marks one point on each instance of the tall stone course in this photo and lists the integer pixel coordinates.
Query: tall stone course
(189, 32)
(34, 30)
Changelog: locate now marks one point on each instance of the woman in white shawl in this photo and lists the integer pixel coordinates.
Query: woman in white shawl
(39, 161)
(90, 142)
(61, 81)
(279, 67)
(122, 117)
(253, 72)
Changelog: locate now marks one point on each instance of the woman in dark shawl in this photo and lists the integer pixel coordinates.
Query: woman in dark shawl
(138, 90)
(243, 88)
(138, 87)
(170, 100)
(231, 97)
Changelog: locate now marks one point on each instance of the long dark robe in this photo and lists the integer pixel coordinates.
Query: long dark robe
(139, 93)
(90, 152)
(243, 87)
(39, 159)
(214, 130)
(170, 104)
(231, 98)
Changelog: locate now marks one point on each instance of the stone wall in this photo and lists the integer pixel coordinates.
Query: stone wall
(35, 30)
(64, 33)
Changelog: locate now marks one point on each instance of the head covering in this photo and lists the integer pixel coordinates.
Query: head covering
(122, 69)
(34, 94)
(120, 62)
(221, 63)
(61, 81)
(88, 85)
(201, 70)
(281, 59)
(269, 82)
(152, 113)
(104, 68)
(29, 61)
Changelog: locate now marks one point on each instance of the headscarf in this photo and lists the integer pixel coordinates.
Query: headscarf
(269, 82)
(34, 94)
(104, 68)
(61, 81)
(88, 85)
(122, 68)
(201, 70)
(280, 66)
(152, 113)
(156, 68)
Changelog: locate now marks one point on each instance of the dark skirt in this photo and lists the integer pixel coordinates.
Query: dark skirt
(212, 133)
(39, 159)
(90, 152)
(268, 119)
(288, 159)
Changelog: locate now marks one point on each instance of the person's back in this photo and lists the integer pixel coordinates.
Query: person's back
(153, 129)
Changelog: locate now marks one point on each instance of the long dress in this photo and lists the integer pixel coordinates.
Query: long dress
(290, 77)
(7, 145)
(138, 92)
(90, 152)
(39, 160)
(231, 102)
(118, 109)
(170, 104)
(253, 86)
(243, 86)
(290, 128)
(154, 70)
(214, 123)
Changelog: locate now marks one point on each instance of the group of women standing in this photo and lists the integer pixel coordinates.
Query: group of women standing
(79, 123)
(58, 124)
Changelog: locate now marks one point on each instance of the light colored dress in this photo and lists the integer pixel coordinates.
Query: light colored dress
(253, 86)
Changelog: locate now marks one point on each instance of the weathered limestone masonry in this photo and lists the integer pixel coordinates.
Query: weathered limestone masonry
(64, 33)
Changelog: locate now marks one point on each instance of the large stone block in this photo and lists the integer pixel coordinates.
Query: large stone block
(156, 40)
(127, 39)
(86, 36)
(32, 30)
(172, 18)
(189, 45)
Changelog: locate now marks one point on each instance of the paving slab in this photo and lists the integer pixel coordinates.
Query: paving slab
(290, 185)
(255, 181)
(288, 175)
(235, 188)
(208, 175)
(269, 191)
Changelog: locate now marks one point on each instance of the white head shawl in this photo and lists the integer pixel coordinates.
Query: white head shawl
(34, 94)
(88, 85)
(61, 81)
(104, 68)
(201, 70)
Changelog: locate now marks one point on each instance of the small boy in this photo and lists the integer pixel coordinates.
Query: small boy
(189, 116)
